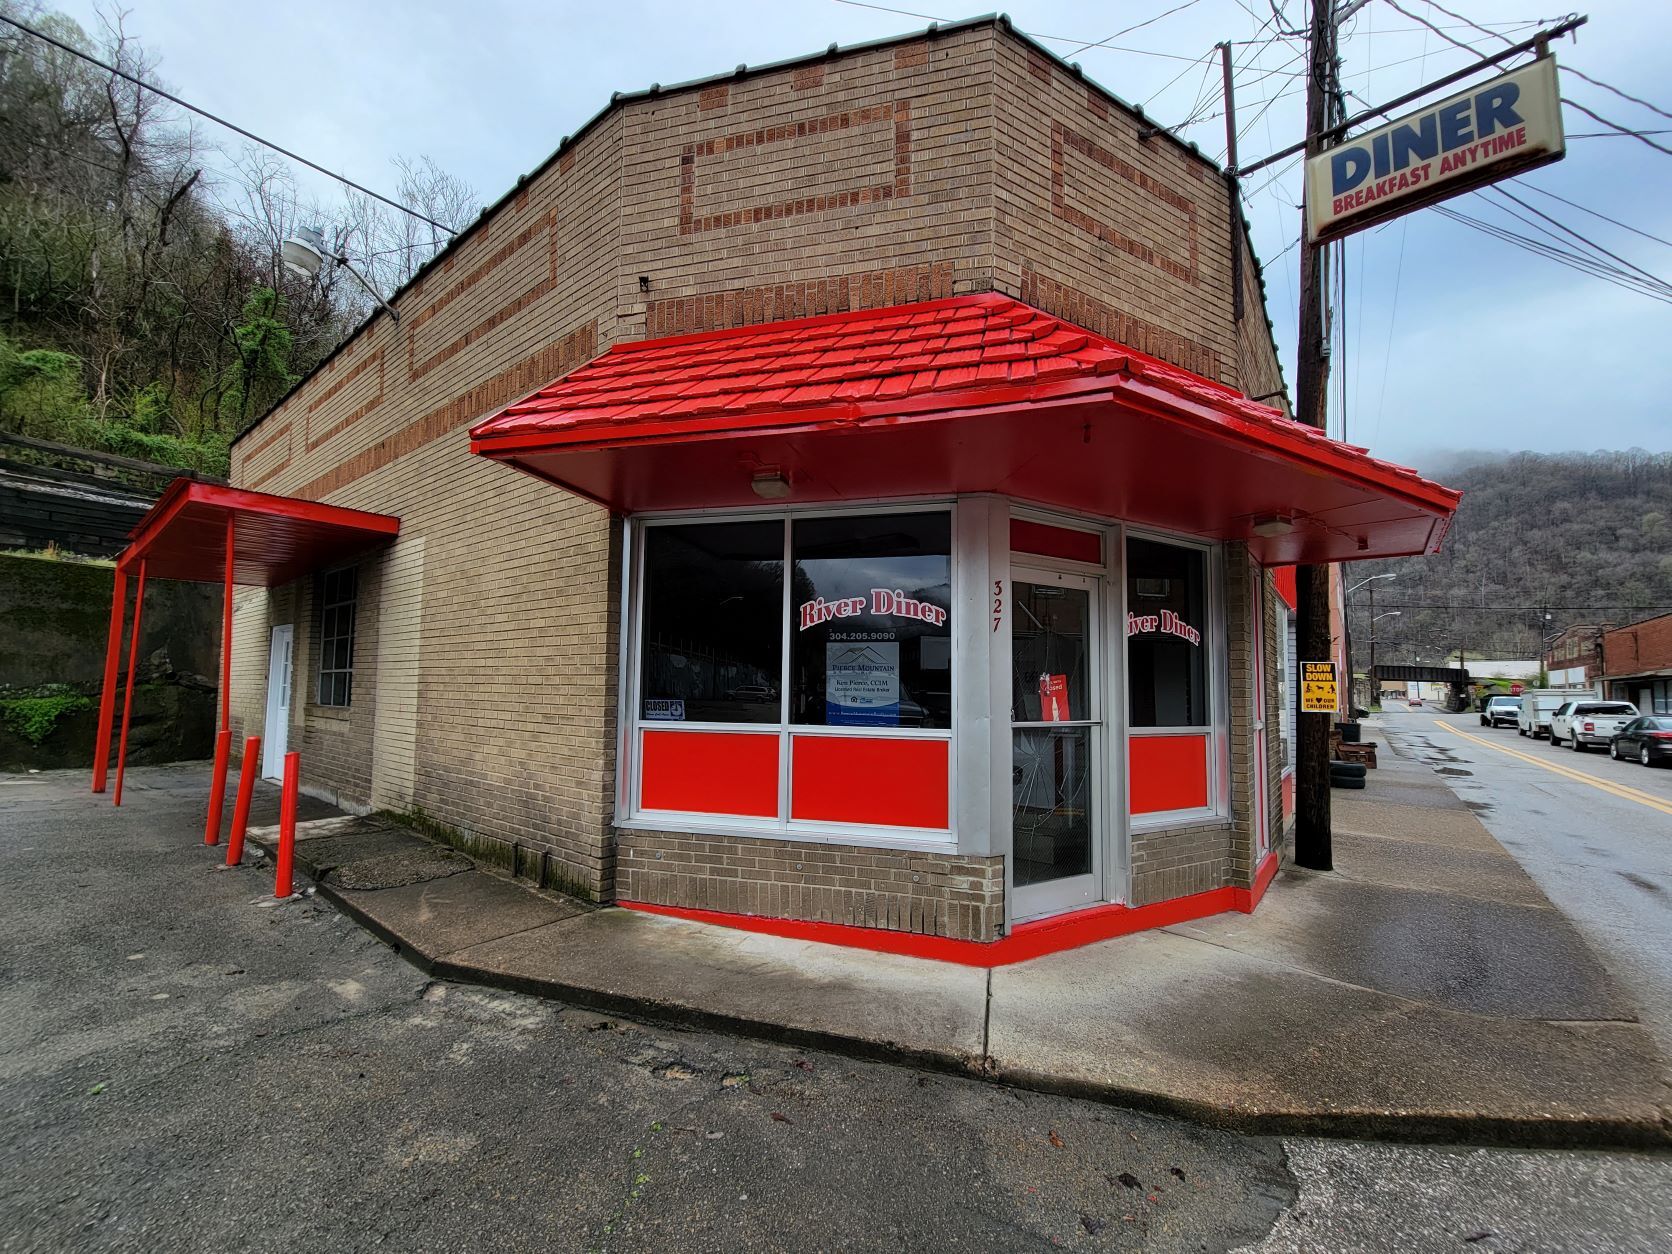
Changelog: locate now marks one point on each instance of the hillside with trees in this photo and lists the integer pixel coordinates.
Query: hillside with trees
(1582, 537)
(143, 308)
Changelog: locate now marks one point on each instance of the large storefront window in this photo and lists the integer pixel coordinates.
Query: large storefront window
(713, 640)
(1166, 634)
(871, 639)
(824, 702)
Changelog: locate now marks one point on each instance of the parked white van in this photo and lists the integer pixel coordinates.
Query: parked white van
(1537, 705)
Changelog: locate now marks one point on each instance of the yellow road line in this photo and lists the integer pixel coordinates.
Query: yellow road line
(1619, 790)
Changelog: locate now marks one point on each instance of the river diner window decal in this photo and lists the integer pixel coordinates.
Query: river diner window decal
(829, 637)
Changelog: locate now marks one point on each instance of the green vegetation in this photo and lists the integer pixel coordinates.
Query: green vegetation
(143, 308)
(33, 713)
(1583, 537)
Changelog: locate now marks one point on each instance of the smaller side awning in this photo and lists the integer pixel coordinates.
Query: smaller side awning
(276, 539)
(971, 394)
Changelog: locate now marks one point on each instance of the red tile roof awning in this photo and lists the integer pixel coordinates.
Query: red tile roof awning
(971, 394)
(275, 538)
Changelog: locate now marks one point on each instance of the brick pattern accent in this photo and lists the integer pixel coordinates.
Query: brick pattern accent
(932, 894)
(895, 115)
(1131, 225)
(1094, 315)
(1065, 141)
(779, 302)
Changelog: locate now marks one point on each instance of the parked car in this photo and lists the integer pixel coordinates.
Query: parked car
(1537, 705)
(1648, 739)
(1500, 711)
(1582, 723)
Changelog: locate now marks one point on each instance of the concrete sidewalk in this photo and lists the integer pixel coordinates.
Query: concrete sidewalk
(1426, 990)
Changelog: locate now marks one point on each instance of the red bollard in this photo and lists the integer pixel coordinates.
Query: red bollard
(283, 885)
(217, 790)
(241, 807)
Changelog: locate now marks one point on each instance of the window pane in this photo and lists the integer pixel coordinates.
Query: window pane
(1050, 675)
(1166, 631)
(871, 626)
(713, 634)
(1051, 797)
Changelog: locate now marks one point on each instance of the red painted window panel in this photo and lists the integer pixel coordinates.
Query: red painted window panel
(709, 773)
(1049, 541)
(1167, 773)
(861, 779)
(1284, 578)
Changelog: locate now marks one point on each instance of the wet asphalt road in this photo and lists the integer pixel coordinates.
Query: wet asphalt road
(1596, 834)
(186, 1065)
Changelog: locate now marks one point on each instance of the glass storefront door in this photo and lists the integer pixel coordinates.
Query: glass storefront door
(1056, 724)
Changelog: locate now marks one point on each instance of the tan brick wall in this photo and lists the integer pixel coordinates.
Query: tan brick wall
(1093, 223)
(1177, 861)
(933, 894)
(486, 697)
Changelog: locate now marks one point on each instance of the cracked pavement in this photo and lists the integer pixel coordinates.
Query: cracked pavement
(188, 1065)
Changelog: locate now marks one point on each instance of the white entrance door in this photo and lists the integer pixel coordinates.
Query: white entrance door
(1056, 729)
(275, 735)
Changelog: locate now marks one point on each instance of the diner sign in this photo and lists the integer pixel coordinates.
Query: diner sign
(1502, 127)
(894, 604)
(1166, 622)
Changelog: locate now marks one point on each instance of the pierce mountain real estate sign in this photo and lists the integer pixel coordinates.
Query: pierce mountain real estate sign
(1505, 126)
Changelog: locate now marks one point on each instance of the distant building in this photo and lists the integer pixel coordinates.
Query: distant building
(1637, 664)
(1574, 658)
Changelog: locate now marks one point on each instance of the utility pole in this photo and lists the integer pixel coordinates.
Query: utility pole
(1312, 795)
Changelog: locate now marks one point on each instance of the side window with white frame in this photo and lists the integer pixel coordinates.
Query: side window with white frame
(338, 592)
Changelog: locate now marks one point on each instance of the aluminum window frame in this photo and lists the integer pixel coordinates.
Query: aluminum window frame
(1216, 669)
(631, 814)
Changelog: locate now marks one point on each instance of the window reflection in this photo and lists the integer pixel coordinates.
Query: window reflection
(1166, 634)
(870, 621)
(713, 615)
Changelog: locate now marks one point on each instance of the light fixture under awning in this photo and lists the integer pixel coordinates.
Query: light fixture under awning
(971, 394)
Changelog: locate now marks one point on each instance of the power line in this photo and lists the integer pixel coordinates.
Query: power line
(1582, 209)
(1053, 39)
(1509, 195)
(1590, 113)
(1574, 261)
(1177, 8)
(220, 121)
(1595, 82)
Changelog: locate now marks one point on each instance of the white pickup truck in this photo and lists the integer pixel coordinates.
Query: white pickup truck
(1593, 722)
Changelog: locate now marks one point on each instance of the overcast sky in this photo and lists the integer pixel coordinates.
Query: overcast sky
(1453, 340)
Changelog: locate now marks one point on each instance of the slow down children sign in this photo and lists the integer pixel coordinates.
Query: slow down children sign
(1498, 128)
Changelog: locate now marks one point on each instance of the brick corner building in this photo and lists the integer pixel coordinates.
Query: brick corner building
(824, 497)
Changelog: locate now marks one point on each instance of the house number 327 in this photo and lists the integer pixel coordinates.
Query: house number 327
(998, 603)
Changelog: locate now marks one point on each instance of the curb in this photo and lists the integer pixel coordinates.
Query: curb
(1475, 1130)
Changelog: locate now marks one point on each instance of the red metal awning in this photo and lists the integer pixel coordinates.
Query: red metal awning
(276, 538)
(971, 394)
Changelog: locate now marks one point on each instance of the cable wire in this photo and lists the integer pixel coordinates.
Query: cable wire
(220, 121)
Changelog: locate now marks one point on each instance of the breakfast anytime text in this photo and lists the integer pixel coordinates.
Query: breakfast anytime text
(1512, 121)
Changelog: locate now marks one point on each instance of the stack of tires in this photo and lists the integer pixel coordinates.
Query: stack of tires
(1346, 774)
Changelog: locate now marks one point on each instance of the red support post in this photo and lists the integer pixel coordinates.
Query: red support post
(241, 807)
(128, 694)
(107, 694)
(226, 633)
(283, 880)
(217, 787)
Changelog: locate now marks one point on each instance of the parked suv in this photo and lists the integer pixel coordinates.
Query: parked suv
(1537, 705)
(1500, 711)
(1584, 723)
